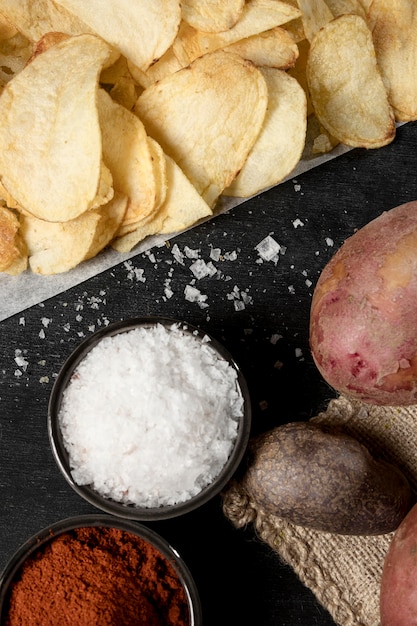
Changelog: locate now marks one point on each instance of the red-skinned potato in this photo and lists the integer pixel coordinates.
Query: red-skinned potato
(398, 592)
(363, 321)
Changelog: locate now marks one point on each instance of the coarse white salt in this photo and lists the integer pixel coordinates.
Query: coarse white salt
(150, 416)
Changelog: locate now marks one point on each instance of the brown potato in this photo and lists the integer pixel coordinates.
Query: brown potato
(325, 481)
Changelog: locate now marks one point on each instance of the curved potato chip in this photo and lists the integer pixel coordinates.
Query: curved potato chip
(56, 247)
(207, 118)
(182, 207)
(12, 248)
(36, 18)
(281, 141)
(141, 30)
(346, 87)
(50, 161)
(126, 153)
(211, 16)
(272, 48)
(315, 15)
(257, 16)
(394, 32)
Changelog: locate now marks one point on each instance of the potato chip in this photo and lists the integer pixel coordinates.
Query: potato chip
(35, 18)
(257, 16)
(51, 161)
(127, 154)
(13, 257)
(281, 141)
(272, 48)
(315, 15)
(394, 30)
(56, 247)
(341, 7)
(207, 118)
(141, 30)
(346, 87)
(211, 16)
(182, 208)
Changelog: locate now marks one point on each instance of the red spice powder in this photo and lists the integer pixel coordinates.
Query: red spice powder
(97, 576)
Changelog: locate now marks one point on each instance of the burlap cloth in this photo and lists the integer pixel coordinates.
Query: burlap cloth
(342, 571)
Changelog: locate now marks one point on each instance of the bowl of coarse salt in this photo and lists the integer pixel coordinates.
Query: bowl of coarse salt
(149, 418)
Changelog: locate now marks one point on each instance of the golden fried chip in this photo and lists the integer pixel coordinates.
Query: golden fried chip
(127, 154)
(141, 30)
(182, 208)
(51, 158)
(281, 141)
(341, 7)
(315, 15)
(272, 48)
(56, 247)
(211, 16)
(207, 118)
(257, 16)
(35, 18)
(13, 257)
(394, 29)
(346, 87)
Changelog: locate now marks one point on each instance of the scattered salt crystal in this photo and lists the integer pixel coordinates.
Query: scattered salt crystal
(308, 282)
(215, 254)
(177, 254)
(42, 334)
(192, 294)
(46, 321)
(298, 353)
(190, 253)
(329, 241)
(275, 338)
(20, 360)
(230, 256)
(268, 248)
(150, 416)
(291, 289)
(200, 269)
(297, 187)
(239, 305)
(22, 321)
(135, 272)
(297, 222)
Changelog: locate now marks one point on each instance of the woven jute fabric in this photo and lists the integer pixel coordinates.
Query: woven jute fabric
(343, 571)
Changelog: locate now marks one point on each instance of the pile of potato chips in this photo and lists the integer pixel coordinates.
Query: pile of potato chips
(121, 119)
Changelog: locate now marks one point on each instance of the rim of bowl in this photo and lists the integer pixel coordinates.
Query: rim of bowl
(49, 533)
(130, 511)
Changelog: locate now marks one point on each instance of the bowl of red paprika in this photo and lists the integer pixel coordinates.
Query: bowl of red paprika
(95, 570)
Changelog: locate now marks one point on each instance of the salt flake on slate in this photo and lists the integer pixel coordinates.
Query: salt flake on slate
(268, 249)
(200, 269)
(192, 294)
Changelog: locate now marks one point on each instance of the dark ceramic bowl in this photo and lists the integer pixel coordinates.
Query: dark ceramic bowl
(131, 511)
(48, 534)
